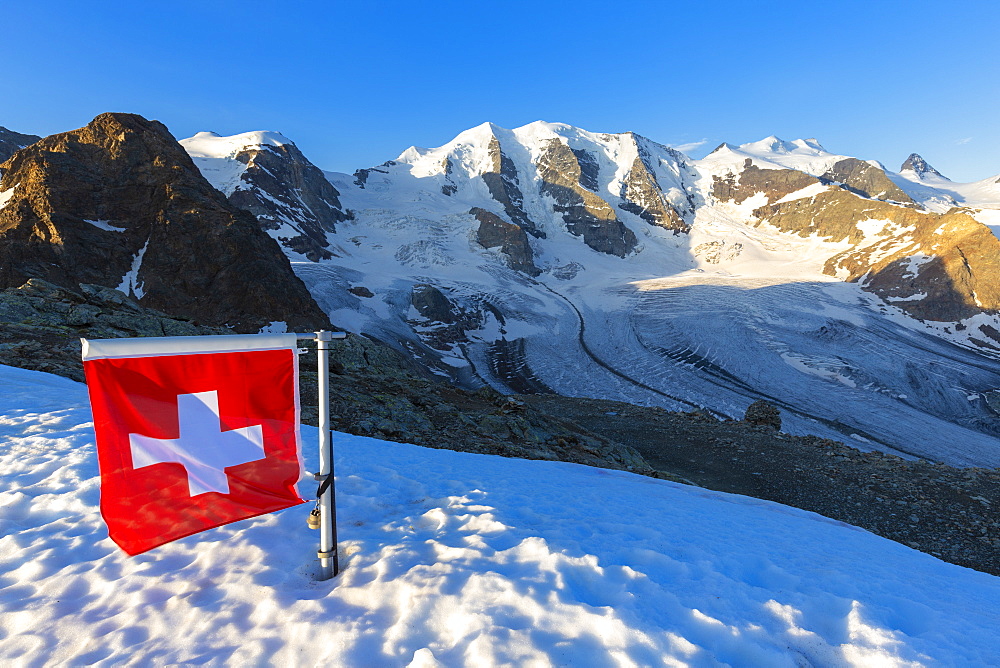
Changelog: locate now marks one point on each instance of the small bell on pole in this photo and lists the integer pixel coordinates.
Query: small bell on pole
(313, 520)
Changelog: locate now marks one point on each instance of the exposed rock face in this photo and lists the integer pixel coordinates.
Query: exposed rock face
(584, 213)
(502, 182)
(775, 183)
(865, 179)
(286, 191)
(833, 214)
(643, 196)
(449, 187)
(41, 324)
(432, 304)
(850, 174)
(11, 142)
(589, 169)
(918, 165)
(494, 232)
(119, 203)
(940, 267)
(361, 175)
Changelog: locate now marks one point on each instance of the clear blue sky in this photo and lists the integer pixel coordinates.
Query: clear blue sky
(355, 83)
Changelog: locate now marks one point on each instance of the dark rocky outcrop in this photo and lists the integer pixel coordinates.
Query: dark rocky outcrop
(41, 324)
(361, 175)
(494, 232)
(502, 182)
(584, 213)
(119, 203)
(361, 291)
(431, 304)
(866, 180)
(12, 142)
(442, 322)
(589, 169)
(448, 187)
(642, 195)
(281, 187)
(918, 165)
(775, 183)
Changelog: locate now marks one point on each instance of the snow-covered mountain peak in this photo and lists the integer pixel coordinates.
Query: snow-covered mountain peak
(804, 155)
(920, 168)
(468, 151)
(214, 145)
(476, 150)
(773, 145)
(542, 131)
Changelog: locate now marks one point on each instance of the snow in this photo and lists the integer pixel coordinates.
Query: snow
(274, 327)
(806, 155)
(939, 194)
(130, 284)
(809, 191)
(6, 195)
(215, 155)
(456, 559)
(105, 225)
(990, 218)
(213, 145)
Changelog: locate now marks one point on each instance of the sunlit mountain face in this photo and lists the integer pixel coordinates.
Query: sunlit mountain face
(548, 259)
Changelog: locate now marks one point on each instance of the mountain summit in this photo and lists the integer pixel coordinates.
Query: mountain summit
(919, 166)
(119, 203)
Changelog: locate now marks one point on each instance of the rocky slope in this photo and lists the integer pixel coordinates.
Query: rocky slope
(267, 175)
(119, 203)
(12, 142)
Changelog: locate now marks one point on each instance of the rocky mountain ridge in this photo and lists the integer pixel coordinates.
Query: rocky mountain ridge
(119, 203)
(547, 246)
(12, 142)
(563, 174)
(268, 176)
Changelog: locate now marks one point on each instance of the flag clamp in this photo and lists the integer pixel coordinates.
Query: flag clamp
(327, 554)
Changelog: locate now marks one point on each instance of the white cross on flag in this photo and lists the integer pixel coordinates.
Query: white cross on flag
(193, 432)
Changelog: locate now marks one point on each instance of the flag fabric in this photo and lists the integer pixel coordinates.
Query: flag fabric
(193, 432)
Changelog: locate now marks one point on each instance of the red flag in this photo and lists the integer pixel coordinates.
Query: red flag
(193, 432)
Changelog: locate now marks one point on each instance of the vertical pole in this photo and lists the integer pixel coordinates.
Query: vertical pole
(329, 562)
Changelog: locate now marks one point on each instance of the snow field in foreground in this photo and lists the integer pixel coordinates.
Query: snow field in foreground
(459, 559)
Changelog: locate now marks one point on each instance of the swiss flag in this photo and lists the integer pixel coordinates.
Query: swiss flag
(193, 432)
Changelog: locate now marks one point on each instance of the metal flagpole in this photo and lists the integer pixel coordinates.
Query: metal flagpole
(328, 558)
